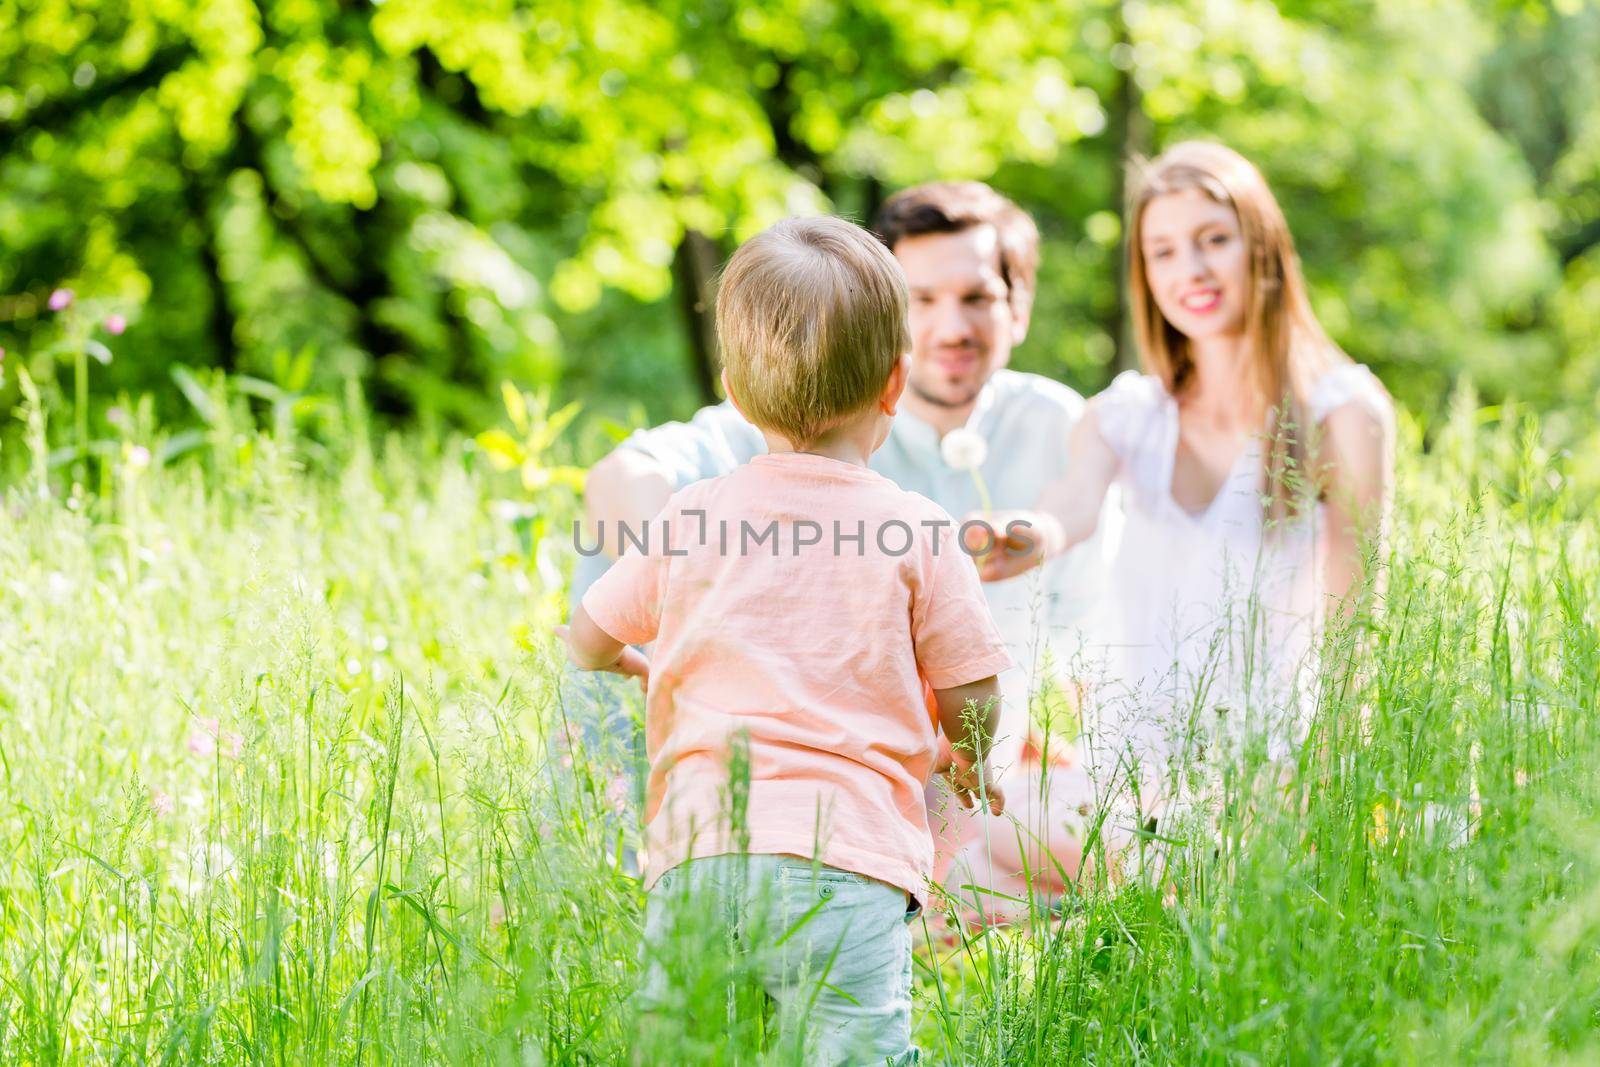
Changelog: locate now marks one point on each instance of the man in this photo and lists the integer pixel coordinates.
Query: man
(970, 257)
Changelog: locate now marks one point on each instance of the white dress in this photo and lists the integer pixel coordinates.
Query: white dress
(1210, 617)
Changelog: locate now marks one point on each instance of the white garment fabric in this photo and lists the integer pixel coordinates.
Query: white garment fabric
(1211, 618)
(1024, 420)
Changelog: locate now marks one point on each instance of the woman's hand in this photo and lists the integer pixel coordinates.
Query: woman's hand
(1066, 514)
(1017, 542)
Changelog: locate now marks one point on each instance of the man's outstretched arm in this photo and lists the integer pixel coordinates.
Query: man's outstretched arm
(626, 488)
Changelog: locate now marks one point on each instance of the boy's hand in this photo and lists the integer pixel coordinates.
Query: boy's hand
(631, 662)
(972, 788)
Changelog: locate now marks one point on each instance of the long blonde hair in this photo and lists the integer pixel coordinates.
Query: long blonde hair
(1289, 347)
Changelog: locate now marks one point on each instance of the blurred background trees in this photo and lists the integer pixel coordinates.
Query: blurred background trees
(430, 196)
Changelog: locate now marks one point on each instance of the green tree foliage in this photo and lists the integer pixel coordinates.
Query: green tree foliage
(433, 195)
(1541, 88)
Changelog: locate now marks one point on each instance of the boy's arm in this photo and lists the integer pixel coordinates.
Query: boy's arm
(960, 653)
(592, 649)
(621, 608)
(970, 715)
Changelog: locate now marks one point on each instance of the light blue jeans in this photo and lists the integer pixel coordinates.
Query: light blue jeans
(832, 948)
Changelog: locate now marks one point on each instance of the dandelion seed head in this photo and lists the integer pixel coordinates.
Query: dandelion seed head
(963, 449)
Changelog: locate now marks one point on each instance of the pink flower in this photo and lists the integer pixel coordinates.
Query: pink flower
(60, 300)
(618, 794)
(117, 416)
(203, 742)
(161, 803)
(138, 457)
(497, 913)
(115, 324)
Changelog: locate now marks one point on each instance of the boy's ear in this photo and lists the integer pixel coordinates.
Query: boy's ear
(894, 387)
(728, 389)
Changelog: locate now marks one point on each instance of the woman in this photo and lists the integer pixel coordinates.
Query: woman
(1255, 464)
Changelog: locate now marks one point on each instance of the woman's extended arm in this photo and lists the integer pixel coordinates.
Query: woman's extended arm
(1358, 473)
(1067, 512)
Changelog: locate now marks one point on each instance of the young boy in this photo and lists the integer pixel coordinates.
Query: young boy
(797, 605)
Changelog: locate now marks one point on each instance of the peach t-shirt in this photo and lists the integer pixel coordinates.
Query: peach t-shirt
(773, 619)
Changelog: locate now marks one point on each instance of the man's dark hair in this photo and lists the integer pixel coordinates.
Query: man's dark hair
(950, 207)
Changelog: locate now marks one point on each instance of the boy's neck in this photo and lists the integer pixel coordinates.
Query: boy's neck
(851, 443)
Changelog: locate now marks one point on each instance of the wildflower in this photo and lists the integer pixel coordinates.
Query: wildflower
(161, 802)
(58, 586)
(512, 511)
(138, 457)
(60, 300)
(117, 416)
(618, 793)
(1379, 833)
(115, 324)
(203, 741)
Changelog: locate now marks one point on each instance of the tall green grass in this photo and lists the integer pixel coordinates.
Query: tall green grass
(287, 778)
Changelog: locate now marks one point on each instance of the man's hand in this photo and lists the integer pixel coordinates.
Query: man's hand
(1018, 542)
(630, 662)
(973, 788)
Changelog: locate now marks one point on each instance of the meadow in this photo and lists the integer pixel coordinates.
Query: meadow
(289, 777)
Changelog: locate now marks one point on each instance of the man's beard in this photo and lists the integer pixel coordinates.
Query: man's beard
(941, 402)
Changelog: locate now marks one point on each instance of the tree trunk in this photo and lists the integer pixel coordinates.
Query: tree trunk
(872, 199)
(693, 268)
(1130, 134)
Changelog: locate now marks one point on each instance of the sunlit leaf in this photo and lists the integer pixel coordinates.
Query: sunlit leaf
(503, 450)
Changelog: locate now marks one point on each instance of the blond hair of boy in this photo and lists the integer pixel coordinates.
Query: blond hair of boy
(811, 315)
